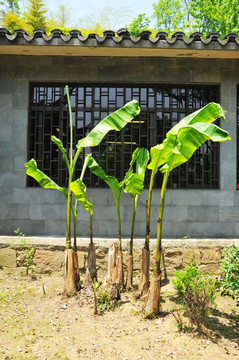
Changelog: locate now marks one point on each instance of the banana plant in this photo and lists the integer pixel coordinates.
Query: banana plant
(178, 147)
(134, 185)
(115, 121)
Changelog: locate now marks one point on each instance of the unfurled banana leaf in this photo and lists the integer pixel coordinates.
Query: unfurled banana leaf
(78, 189)
(134, 184)
(111, 181)
(115, 121)
(189, 139)
(187, 136)
(42, 179)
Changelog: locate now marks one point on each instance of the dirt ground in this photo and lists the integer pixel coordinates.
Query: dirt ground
(34, 325)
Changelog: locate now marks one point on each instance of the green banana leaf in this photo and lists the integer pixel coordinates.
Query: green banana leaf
(111, 181)
(190, 138)
(115, 121)
(130, 170)
(43, 180)
(187, 136)
(78, 189)
(134, 183)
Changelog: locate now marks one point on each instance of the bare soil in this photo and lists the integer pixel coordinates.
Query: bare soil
(49, 326)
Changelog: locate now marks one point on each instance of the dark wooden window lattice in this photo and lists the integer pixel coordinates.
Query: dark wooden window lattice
(162, 106)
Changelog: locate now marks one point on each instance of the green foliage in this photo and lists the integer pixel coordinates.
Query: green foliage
(187, 136)
(169, 15)
(12, 22)
(210, 16)
(229, 279)
(63, 16)
(36, 15)
(139, 24)
(104, 300)
(9, 6)
(134, 180)
(195, 293)
(28, 250)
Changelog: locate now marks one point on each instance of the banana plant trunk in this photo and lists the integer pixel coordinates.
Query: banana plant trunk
(145, 260)
(119, 263)
(92, 254)
(153, 298)
(115, 274)
(129, 280)
(71, 273)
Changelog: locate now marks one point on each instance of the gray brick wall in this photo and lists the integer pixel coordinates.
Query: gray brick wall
(197, 213)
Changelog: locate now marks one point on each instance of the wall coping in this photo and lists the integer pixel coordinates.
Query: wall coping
(83, 242)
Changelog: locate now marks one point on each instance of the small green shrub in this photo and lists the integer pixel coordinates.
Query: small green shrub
(104, 300)
(229, 279)
(28, 250)
(195, 293)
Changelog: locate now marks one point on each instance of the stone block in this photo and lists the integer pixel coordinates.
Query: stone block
(186, 197)
(229, 213)
(7, 148)
(50, 212)
(48, 261)
(18, 211)
(55, 227)
(173, 258)
(6, 163)
(8, 258)
(6, 227)
(107, 213)
(209, 269)
(11, 180)
(172, 213)
(20, 101)
(21, 196)
(211, 256)
(30, 227)
(19, 162)
(98, 196)
(5, 133)
(203, 213)
(100, 254)
(190, 256)
(81, 259)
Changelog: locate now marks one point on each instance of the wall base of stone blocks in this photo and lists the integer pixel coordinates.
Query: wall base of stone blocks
(177, 254)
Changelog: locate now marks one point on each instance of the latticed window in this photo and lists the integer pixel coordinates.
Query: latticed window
(162, 106)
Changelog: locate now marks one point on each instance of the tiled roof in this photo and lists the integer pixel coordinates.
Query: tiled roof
(122, 35)
(123, 40)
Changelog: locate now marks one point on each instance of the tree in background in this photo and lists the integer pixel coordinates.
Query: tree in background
(108, 18)
(36, 15)
(169, 15)
(206, 16)
(12, 22)
(63, 15)
(139, 24)
(220, 16)
(9, 5)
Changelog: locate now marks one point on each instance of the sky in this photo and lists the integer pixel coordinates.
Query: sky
(79, 9)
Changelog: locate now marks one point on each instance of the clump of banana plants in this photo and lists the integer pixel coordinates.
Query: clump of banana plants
(132, 183)
(178, 147)
(115, 121)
